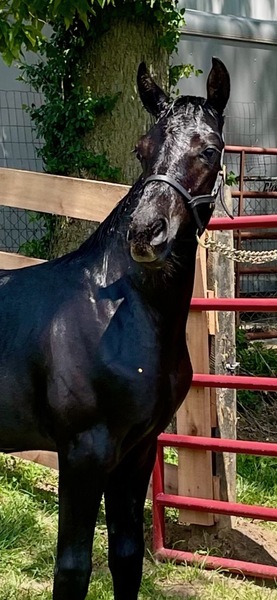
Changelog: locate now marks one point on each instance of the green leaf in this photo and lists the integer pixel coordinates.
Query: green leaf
(31, 37)
(8, 56)
(83, 9)
(67, 21)
(56, 5)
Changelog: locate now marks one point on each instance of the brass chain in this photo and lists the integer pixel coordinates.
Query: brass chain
(243, 256)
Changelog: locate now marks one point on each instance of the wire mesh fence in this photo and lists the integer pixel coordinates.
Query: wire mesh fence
(18, 140)
(260, 175)
(18, 150)
(251, 124)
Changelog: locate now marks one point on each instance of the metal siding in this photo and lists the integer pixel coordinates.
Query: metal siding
(252, 9)
(251, 112)
(250, 118)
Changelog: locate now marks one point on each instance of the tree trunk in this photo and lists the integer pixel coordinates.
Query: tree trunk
(110, 65)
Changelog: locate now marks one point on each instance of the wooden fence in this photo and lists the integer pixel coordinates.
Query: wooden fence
(94, 200)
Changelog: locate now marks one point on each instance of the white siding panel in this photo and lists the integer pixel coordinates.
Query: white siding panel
(252, 9)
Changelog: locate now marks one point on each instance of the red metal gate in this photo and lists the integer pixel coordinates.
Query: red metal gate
(160, 498)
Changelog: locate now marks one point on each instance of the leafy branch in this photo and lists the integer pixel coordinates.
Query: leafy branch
(22, 21)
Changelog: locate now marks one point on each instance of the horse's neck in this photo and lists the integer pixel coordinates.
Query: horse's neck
(166, 290)
(168, 300)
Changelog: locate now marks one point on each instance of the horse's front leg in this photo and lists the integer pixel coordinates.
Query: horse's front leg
(124, 498)
(81, 483)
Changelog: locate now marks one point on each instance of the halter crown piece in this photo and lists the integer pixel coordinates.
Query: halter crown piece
(194, 202)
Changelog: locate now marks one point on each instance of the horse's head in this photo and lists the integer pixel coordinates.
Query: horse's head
(181, 157)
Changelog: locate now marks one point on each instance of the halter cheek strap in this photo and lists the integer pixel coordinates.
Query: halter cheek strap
(193, 202)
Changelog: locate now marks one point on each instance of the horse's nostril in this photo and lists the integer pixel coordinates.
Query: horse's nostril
(159, 231)
(129, 235)
(158, 227)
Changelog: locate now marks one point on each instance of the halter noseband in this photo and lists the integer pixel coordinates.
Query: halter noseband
(193, 202)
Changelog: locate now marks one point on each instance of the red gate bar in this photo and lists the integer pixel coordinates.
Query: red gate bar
(240, 382)
(209, 562)
(250, 150)
(253, 194)
(219, 507)
(244, 222)
(258, 269)
(158, 510)
(218, 444)
(235, 304)
(239, 567)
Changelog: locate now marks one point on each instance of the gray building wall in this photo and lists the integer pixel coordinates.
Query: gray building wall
(248, 48)
(252, 9)
(244, 35)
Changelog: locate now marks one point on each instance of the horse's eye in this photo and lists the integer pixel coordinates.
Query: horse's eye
(210, 154)
(137, 153)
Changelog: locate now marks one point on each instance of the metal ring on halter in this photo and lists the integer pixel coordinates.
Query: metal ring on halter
(205, 244)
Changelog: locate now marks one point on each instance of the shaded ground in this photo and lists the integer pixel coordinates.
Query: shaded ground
(248, 541)
(258, 423)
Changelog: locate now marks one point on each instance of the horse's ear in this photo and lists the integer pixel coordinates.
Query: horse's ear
(152, 96)
(218, 85)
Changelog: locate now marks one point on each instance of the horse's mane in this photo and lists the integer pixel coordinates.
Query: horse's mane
(115, 219)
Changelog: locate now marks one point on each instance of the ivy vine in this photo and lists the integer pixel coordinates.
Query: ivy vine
(68, 111)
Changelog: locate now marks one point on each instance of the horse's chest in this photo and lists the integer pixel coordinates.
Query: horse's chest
(136, 377)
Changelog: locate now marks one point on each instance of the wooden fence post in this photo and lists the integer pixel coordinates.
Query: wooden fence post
(195, 477)
(221, 279)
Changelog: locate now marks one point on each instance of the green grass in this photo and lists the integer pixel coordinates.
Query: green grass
(256, 477)
(28, 529)
(257, 480)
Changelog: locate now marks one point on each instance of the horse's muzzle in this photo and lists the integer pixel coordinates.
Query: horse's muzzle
(148, 244)
(143, 254)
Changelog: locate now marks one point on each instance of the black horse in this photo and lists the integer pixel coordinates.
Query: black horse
(93, 356)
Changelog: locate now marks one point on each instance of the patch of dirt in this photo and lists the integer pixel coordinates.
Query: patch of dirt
(184, 591)
(247, 540)
(260, 535)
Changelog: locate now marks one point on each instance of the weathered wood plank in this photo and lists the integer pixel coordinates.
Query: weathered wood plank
(42, 457)
(221, 279)
(65, 196)
(194, 416)
(11, 260)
